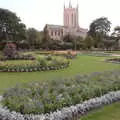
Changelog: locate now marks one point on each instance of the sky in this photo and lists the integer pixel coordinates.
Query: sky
(37, 13)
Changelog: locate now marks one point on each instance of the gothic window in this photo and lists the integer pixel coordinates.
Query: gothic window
(55, 33)
(51, 33)
(75, 20)
(72, 19)
(59, 33)
(67, 19)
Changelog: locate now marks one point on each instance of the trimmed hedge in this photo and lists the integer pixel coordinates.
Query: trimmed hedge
(48, 96)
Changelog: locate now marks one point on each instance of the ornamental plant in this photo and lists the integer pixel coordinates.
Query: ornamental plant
(10, 50)
(49, 96)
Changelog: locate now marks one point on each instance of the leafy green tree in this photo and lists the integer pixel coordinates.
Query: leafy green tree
(109, 43)
(34, 37)
(99, 28)
(46, 42)
(69, 42)
(116, 33)
(116, 37)
(11, 28)
(31, 36)
(79, 42)
(88, 42)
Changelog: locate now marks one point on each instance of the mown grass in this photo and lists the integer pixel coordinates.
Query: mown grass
(81, 65)
(111, 112)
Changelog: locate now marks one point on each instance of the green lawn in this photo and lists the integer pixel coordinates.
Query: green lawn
(111, 112)
(81, 65)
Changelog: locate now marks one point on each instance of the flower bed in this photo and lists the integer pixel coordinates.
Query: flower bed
(97, 54)
(66, 54)
(114, 60)
(39, 64)
(68, 113)
(46, 97)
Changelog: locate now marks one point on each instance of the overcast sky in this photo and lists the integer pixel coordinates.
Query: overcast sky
(37, 13)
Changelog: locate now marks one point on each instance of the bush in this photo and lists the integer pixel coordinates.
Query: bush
(49, 96)
(70, 55)
(10, 50)
(42, 62)
(49, 57)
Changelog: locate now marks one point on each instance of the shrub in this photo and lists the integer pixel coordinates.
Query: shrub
(70, 55)
(42, 62)
(49, 57)
(10, 50)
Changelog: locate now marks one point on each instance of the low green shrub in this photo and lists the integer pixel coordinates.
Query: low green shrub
(48, 96)
(42, 61)
(49, 57)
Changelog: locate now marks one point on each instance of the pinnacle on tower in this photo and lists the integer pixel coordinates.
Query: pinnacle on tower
(70, 6)
(64, 4)
(77, 4)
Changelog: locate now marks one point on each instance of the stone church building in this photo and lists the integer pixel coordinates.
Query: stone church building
(71, 25)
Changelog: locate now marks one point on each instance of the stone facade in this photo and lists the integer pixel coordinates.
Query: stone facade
(71, 25)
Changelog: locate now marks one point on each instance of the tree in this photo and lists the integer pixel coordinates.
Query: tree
(11, 28)
(116, 33)
(99, 28)
(46, 42)
(88, 42)
(31, 36)
(116, 36)
(79, 42)
(69, 41)
(34, 37)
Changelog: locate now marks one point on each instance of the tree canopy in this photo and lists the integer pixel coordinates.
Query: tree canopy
(11, 28)
(101, 25)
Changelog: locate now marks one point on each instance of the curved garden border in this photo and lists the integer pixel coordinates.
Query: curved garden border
(68, 113)
(114, 60)
(34, 68)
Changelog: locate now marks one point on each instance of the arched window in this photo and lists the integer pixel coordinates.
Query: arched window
(55, 33)
(67, 19)
(51, 33)
(75, 18)
(72, 20)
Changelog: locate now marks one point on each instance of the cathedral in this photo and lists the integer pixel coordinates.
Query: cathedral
(71, 25)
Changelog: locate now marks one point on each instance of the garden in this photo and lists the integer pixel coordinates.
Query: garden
(28, 89)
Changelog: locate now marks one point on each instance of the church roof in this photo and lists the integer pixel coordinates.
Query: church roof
(54, 26)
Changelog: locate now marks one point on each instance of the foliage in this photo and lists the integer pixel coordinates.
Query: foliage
(100, 25)
(83, 64)
(10, 50)
(88, 42)
(46, 39)
(31, 64)
(34, 37)
(49, 96)
(99, 29)
(42, 61)
(116, 32)
(11, 27)
(70, 55)
(67, 113)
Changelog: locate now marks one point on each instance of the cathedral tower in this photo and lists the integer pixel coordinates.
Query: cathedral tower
(71, 16)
